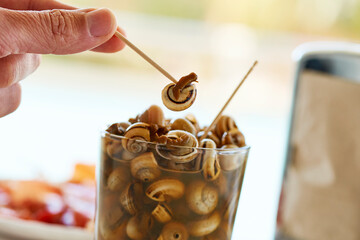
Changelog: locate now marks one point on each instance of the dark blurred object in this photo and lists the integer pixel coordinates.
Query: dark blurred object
(321, 191)
(71, 203)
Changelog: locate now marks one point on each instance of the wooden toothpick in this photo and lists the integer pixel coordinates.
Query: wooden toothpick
(143, 55)
(227, 103)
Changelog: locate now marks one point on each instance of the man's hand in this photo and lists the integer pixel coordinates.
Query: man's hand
(28, 29)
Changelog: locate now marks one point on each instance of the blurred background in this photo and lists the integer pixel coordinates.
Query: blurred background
(70, 99)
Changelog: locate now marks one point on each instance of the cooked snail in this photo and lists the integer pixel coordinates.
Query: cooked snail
(145, 167)
(118, 179)
(211, 136)
(138, 226)
(118, 128)
(114, 215)
(183, 124)
(114, 149)
(219, 234)
(135, 134)
(184, 146)
(130, 198)
(153, 115)
(201, 197)
(174, 231)
(180, 96)
(224, 124)
(205, 225)
(116, 233)
(229, 160)
(233, 137)
(221, 183)
(211, 168)
(162, 213)
(126, 156)
(193, 120)
(165, 190)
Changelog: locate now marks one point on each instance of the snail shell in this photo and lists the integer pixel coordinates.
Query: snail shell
(165, 190)
(114, 215)
(233, 137)
(229, 161)
(118, 179)
(224, 124)
(127, 156)
(153, 115)
(145, 167)
(114, 150)
(183, 124)
(193, 120)
(201, 197)
(131, 197)
(162, 213)
(192, 166)
(118, 128)
(174, 231)
(187, 146)
(221, 183)
(211, 168)
(109, 233)
(219, 234)
(180, 96)
(211, 136)
(137, 131)
(204, 226)
(139, 226)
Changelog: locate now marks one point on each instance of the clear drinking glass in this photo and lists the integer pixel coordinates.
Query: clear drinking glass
(167, 192)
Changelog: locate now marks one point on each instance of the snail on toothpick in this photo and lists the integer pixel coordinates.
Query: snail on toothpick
(176, 96)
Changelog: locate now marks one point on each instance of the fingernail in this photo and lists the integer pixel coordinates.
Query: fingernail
(100, 22)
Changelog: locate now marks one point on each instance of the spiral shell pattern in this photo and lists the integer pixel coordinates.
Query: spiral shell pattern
(134, 134)
(224, 124)
(184, 149)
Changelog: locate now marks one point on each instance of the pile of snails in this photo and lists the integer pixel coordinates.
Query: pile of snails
(158, 181)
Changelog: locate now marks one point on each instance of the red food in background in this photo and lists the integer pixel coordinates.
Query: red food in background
(70, 204)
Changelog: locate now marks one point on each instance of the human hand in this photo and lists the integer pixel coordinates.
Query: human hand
(30, 27)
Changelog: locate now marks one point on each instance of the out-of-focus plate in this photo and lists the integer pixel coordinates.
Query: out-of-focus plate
(15, 229)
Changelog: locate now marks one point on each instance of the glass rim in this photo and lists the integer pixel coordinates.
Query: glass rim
(246, 148)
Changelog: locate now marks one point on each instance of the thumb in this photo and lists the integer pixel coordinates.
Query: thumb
(54, 31)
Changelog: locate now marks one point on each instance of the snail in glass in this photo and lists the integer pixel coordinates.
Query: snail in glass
(183, 124)
(118, 179)
(130, 198)
(224, 124)
(113, 233)
(184, 149)
(145, 167)
(165, 190)
(211, 136)
(180, 96)
(211, 166)
(162, 213)
(204, 226)
(174, 231)
(139, 226)
(136, 136)
(230, 159)
(201, 197)
(233, 137)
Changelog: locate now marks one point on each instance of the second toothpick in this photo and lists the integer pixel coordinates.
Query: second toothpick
(227, 103)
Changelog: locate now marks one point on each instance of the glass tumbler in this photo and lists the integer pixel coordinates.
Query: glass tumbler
(151, 191)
